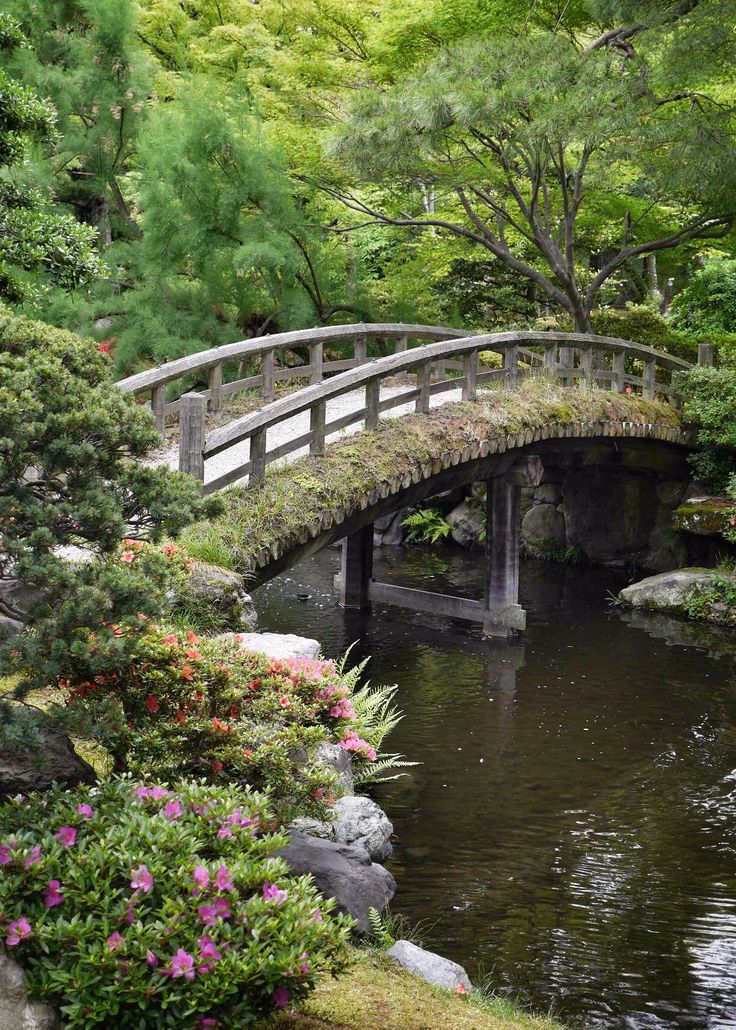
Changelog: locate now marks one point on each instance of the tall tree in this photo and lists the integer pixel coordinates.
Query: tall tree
(514, 136)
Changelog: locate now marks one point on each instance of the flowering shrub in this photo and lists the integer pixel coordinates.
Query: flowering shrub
(130, 904)
(185, 706)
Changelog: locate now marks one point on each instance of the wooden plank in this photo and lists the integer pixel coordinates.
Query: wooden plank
(361, 350)
(511, 365)
(372, 402)
(258, 456)
(650, 375)
(317, 429)
(550, 362)
(424, 375)
(470, 376)
(215, 389)
(268, 369)
(426, 601)
(158, 407)
(706, 354)
(192, 434)
(315, 362)
(619, 360)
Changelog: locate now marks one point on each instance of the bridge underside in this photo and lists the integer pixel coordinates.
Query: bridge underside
(654, 449)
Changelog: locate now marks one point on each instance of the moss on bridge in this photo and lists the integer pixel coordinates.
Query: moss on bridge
(298, 495)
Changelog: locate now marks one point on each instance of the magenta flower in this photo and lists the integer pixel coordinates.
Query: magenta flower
(209, 914)
(208, 1021)
(172, 810)
(114, 941)
(52, 895)
(317, 916)
(182, 964)
(151, 959)
(281, 997)
(201, 878)
(155, 793)
(6, 855)
(67, 836)
(207, 949)
(33, 856)
(224, 833)
(19, 930)
(141, 879)
(272, 893)
(85, 811)
(224, 880)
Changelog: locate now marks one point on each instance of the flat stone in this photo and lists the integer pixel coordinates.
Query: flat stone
(429, 966)
(667, 591)
(343, 872)
(279, 645)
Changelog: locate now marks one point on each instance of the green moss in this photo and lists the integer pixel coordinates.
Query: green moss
(709, 517)
(299, 493)
(375, 994)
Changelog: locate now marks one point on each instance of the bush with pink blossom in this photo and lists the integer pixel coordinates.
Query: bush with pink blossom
(131, 904)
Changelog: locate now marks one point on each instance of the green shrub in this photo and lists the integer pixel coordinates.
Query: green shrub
(640, 324)
(131, 905)
(710, 402)
(189, 707)
(708, 303)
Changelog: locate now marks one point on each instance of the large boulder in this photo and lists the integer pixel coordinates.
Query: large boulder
(468, 524)
(388, 530)
(339, 759)
(23, 770)
(543, 524)
(359, 820)
(222, 594)
(431, 967)
(609, 513)
(277, 645)
(343, 872)
(17, 1012)
(667, 591)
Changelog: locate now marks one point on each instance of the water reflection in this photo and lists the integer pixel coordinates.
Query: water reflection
(571, 827)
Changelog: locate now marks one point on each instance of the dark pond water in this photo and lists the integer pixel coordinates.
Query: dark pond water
(571, 833)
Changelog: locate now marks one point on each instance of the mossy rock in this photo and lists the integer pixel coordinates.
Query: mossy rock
(708, 516)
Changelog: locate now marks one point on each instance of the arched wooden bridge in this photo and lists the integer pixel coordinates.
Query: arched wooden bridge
(437, 360)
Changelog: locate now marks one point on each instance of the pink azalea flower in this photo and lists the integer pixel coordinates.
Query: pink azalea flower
(141, 879)
(224, 833)
(281, 997)
(114, 941)
(224, 880)
(172, 810)
(6, 855)
(272, 893)
(127, 557)
(207, 949)
(67, 836)
(52, 895)
(211, 913)
(317, 916)
(182, 964)
(343, 710)
(151, 959)
(208, 1021)
(19, 930)
(201, 878)
(33, 856)
(85, 811)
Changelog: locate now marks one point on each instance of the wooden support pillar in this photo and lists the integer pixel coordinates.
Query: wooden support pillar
(315, 362)
(705, 353)
(257, 474)
(317, 417)
(215, 401)
(267, 388)
(617, 383)
(191, 434)
(550, 362)
(567, 360)
(401, 344)
(423, 382)
(503, 615)
(372, 400)
(650, 373)
(158, 406)
(356, 568)
(511, 365)
(586, 366)
(361, 350)
(470, 376)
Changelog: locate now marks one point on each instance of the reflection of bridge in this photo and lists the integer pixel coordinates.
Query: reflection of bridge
(450, 361)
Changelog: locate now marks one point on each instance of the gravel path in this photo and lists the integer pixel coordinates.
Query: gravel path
(298, 425)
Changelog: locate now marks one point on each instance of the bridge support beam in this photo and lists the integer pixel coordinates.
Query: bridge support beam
(353, 583)
(502, 615)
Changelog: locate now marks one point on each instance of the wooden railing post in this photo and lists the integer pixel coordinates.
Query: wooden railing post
(317, 418)
(618, 368)
(361, 350)
(372, 400)
(586, 366)
(316, 351)
(470, 375)
(567, 360)
(705, 354)
(158, 406)
(424, 378)
(650, 372)
(550, 361)
(215, 377)
(267, 388)
(191, 434)
(257, 473)
(401, 344)
(511, 364)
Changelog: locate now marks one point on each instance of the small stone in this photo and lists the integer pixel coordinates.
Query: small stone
(430, 967)
(359, 820)
(23, 770)
(278, 645)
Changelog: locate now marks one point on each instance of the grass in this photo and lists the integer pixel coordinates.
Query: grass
(375, 994)
(296, 494)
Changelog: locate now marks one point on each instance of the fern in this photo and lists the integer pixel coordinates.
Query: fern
(426, 526)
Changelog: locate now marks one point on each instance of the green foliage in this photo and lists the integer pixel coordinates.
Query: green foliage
(134, 905)
(715, 602)
(706, 307)
(640, 324)
(548, 550)
(36, 241)
(426, 526)
(710, 402)
(71, 446)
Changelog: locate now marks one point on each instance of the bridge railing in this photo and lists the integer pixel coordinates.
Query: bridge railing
(565, 357)
(269, 350)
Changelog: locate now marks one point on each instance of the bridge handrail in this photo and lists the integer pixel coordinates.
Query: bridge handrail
(194, 447)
